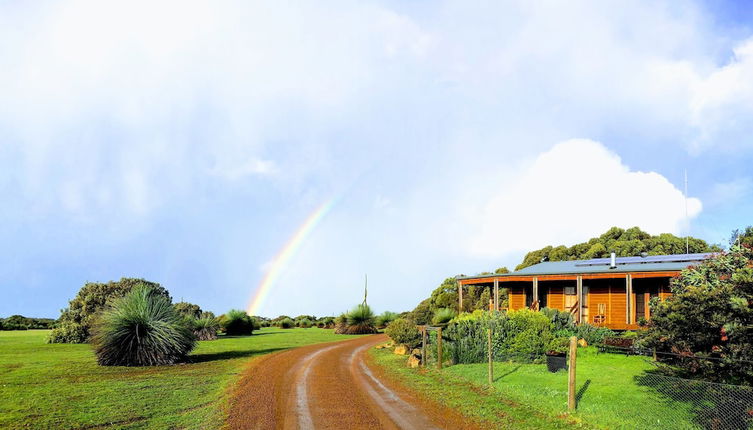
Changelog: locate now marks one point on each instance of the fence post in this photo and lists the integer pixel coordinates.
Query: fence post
(491, 365)
(439, 348)
(423, 346)
(571, 373)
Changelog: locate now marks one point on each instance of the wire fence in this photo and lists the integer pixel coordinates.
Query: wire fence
(615, 388)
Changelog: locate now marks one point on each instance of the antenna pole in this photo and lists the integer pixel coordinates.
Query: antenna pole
(687, 219)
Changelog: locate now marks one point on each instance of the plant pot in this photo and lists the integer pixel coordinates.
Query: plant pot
(556, 362)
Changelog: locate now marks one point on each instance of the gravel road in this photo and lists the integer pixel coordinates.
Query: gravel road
(330, 386)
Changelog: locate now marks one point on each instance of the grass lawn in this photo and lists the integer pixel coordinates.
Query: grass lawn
(610, 392)
(473, 400)
(61, 386)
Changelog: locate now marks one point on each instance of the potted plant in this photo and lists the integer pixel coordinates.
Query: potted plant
(556, 354)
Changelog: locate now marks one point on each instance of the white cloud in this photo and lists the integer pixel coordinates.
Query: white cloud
(575, 191)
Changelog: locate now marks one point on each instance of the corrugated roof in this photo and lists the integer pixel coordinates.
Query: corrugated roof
(658, 263)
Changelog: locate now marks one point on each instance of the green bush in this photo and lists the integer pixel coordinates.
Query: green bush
(594, 335)
(561, 320)
(360, 320)
(205, 328)
(404, 331)
(327, 322)
(523, 335)
(304, 323)
(443, 316)
(237, 323)
(76, 321)
(558, 345)
(142, 329)
(385, 318)
(286, 323)
(709, 315)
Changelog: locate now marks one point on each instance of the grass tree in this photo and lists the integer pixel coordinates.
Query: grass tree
(142, 329)
(443, 316)
(205, 328)
(237, 323)
(360, 320)
(385, 318)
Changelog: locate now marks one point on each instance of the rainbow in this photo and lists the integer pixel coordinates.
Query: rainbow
(287, 252)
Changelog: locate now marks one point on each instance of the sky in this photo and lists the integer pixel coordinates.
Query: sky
(293, 147)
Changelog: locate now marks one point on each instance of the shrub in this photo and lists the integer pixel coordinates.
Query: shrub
(77, 320)
(286, 323)
(142, 329)
(593, 334)
(341, 323)
(558, 345)
(327, 322)
(237, 323)
(443, 316)
(561, 320)
(385, 318)
(404, 331)
(360, 320)
(522, 334)
(709, 314)
(304, 323)
(205, 328)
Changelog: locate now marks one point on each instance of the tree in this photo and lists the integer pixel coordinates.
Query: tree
(708, 321)
(625, 243)
(742, 238)
(188, 309)
(76, 321)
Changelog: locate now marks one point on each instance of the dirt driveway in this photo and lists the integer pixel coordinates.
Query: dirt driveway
(330, 386)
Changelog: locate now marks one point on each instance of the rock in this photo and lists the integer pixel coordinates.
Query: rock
(416, 351)
(382, 346)
(401, 350)
(414, 361)
(582, 343)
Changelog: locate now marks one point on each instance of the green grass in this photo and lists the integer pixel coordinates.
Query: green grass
(472, 400)
(61, 386)
(610, 393)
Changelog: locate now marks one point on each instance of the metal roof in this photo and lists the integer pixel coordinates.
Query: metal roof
(656, 263)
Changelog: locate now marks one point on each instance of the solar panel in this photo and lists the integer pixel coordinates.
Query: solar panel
(677, 258)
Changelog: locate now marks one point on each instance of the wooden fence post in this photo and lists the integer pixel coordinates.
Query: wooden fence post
(491, 363)
(423, 346)
(571, 373)
(439, 348)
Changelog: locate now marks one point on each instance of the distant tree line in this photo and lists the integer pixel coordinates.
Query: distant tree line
(20, 322)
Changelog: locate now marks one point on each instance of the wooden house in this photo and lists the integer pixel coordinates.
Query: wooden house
(611, 292)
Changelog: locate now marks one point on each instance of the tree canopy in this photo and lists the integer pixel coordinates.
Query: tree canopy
(625, 243)
(76, 321)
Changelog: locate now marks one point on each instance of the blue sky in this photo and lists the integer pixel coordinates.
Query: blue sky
(186, 142)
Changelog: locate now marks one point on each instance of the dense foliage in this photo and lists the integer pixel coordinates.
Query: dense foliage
(188, 309)
(625, 243)
(443, 316)
(286, 323)
(403, 331)
(522, 334)
(708, 321)
(76, 321)
(385, 318)
(236, 323)
(446, 296)
(142, 328)
(20, 322)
